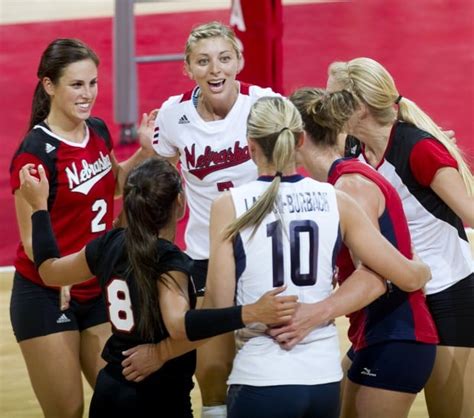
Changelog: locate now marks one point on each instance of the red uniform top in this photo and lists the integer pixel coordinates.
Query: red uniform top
(81, 192)
(396, 315)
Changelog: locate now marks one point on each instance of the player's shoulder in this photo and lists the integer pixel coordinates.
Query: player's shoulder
(112, 240)
(40, 143)
(36, 139)
(177, 101)
(172, 257)
(100, 128)
(107, 245)
(316, 184)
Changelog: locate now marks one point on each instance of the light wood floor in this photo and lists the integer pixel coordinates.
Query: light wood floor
(17, 399)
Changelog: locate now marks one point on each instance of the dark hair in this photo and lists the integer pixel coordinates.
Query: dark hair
(150, 192)
(324, 114)
(56, 57)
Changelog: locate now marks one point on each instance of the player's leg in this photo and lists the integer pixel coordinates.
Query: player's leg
(450, 389)
(50, 342)
(214, 363)
(95, 330)
(368, 402)
(92, 343)
(55, 373)
(214, 359)
(346, 364)
(384, 379)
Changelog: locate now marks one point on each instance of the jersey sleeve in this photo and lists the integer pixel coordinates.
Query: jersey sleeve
(18, 162)
(427, 157)
(36, 148)
(162, 143)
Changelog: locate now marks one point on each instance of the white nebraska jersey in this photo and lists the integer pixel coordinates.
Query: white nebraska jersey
(214, 155)
(295, 246)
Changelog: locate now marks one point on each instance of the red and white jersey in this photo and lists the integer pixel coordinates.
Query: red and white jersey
(295, 246)
(410, 163)
(214, 155)
(81, 191)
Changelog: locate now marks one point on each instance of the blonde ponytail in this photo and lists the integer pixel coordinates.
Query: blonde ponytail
(275, 124)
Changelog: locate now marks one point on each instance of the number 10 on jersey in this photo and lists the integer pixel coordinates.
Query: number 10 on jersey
(303, 236)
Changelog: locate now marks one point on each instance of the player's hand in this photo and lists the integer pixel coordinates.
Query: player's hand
(146, 131)
(141, 362)
(33, 189)
(302, 323)
(271, 308)
(64, 297)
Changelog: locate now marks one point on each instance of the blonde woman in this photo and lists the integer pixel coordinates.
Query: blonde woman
(436, 187)
(284, 228)
(204, 129)
(393, 337)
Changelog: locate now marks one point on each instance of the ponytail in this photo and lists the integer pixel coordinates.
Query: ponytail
(150, 193)
(275, 125)
(324, 114)
(40, 106)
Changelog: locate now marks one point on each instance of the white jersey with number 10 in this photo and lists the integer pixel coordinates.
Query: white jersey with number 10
(296, 246)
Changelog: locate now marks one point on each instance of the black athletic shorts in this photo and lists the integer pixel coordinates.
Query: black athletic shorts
(118, 398)
(401, 366)
(34, 311)
(199, 274)
(453, 313)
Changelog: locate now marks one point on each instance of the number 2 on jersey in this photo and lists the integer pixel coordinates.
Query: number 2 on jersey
(99, 206)
(298, 230)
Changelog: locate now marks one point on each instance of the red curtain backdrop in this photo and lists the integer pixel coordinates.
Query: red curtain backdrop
(426, 45)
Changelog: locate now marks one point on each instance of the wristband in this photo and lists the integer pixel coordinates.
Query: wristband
(206, 323)
(43, 241)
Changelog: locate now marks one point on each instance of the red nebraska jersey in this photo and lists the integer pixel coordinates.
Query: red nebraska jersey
(214, 155)
(396, 315)
(81, 192)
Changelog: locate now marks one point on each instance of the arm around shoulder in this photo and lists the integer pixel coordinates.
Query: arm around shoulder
(368, 245)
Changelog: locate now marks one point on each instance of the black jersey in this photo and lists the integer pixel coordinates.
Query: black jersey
(107, 259)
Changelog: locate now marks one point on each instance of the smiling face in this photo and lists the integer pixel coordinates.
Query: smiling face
(213, 64)
(74, 95)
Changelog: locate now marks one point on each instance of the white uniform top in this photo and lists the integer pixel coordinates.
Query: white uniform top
(214, 156)
(436, 231)
(436, 241)
(299, 250)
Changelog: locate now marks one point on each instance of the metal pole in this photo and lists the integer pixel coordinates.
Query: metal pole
(125, 71)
